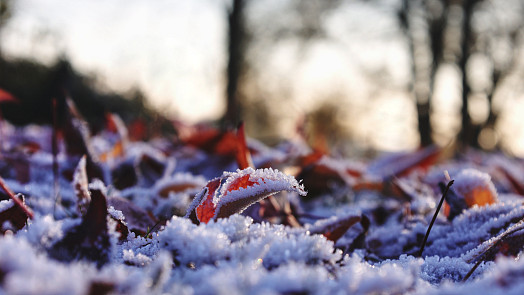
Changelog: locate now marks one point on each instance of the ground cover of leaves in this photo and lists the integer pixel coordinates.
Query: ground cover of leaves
(209, 212)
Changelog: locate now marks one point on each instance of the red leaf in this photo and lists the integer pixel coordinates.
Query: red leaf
(242, 154)
(7, 97)
(235, 191)
(137, 130)
(208, 139)
(206, 210)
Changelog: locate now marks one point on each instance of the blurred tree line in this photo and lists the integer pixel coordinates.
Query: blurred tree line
(480, 40)
(35, 86)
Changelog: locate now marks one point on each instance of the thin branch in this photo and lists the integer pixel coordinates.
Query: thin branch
(450, 183)
(17, 201)
(513, 229)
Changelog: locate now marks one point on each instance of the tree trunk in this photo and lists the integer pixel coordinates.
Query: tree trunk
(466, 135)
(235, 62)
(422, 98)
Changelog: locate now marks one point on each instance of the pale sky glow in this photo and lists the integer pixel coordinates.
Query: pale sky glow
(175, 52)
(161, 47)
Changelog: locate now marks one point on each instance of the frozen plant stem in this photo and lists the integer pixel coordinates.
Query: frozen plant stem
(17, 201)
(450, 183)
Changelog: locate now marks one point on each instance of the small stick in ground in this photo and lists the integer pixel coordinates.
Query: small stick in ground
(450, 183)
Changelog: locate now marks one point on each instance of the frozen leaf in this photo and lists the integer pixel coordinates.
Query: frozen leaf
(472, 187)
(137, 219)
(321, 173)
(180, 182)
(11, 217)
(81, 186)
(90, 239)
(115, 126)
(514, 180)
(510, 242)
(334, 228)
(150, 169)
(18, 203)
(124, 175)
(403, 163)
(77, 139)
(235, 191)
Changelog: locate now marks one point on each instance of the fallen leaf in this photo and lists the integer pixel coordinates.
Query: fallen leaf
(7, 97)
(80, 184)
(334, 228)
(90, 239)
(235, 191)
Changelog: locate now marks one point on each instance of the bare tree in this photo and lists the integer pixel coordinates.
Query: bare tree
(424, 26)
(236, 50)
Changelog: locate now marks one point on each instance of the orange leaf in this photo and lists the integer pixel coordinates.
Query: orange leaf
(472, 187)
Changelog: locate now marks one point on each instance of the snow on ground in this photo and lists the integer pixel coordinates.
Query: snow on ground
(146, 245)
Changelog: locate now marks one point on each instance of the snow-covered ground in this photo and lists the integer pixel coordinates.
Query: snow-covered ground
(125, 219)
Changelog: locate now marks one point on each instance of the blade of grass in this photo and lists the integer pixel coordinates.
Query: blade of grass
(450, 183)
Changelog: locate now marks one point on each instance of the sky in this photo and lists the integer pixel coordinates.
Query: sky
(173, 50)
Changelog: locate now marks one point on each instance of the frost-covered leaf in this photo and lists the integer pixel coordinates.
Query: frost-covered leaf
(335, 227)
(90, 239)
(17, 202)
(12, 217)
(137, 219)
(403, 163)
(471, 187)
(235, 191)
(322, 174)
(81, 186)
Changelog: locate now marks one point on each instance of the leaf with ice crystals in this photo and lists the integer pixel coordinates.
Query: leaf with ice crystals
(335, 227)
(235, 191)
(472, 187)
(403, 163)
(81, 186)
(90, 239)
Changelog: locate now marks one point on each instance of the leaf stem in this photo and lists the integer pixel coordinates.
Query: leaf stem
(450, 183)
